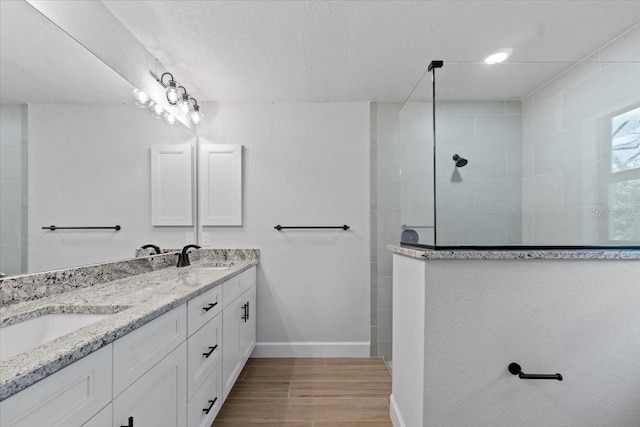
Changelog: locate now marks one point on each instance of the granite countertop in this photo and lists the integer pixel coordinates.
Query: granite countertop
(135, 301)
(466, 254)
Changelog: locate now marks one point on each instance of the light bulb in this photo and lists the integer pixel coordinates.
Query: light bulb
(172, 92)
(141, 99)
(169, 118)
(157, 110)
(196, 115)
(184, 106)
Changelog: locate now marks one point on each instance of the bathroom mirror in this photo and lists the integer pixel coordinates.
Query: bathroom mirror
(75, 152)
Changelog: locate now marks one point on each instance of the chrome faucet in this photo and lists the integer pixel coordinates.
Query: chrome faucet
(183, 258)
(154, 247)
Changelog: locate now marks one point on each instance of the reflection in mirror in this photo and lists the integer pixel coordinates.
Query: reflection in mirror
(75, 151)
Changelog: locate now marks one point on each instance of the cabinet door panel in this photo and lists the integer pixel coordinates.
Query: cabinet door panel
(135, 353)
(103, 418)
(231, 318)
(220, 189)
(71, 396)
(248, 325)
(159, 397)
(171, 194)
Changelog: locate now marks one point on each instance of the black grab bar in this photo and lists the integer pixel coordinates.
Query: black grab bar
(515, 369)
(282, 227)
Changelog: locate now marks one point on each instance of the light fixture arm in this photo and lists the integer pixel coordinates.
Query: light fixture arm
(161, 79)
(183, 88)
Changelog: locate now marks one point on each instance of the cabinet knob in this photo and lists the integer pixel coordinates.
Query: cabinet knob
(130, 423)
(211, 403)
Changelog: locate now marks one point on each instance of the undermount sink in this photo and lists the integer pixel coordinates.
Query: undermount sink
(24, 336)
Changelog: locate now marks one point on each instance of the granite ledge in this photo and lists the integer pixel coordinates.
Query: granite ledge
(577, 254)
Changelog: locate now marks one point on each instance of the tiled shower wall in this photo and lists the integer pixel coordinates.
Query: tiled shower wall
(13, 188)
(567, 147)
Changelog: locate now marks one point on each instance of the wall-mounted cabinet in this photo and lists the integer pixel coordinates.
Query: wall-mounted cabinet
(220, 185)
(171, 185)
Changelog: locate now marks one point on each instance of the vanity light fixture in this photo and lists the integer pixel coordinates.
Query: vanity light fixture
(196, 115)
(171, 88)
(141, 99)
(169, 118)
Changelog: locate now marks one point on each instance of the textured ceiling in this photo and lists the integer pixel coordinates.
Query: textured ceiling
(315, 51)
(40, 63)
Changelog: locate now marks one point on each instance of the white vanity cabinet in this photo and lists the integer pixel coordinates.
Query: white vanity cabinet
(173, 371)
(70, 397)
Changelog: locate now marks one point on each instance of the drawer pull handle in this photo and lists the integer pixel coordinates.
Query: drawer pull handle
(210, 306)
(130, 423)
(211, 403)
(211, 350)
(245, 312)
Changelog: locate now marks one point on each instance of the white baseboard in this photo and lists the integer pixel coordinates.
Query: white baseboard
(394, 413)
(312, 349)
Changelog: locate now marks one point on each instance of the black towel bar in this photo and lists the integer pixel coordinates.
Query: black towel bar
(54, 228)
(515, 369)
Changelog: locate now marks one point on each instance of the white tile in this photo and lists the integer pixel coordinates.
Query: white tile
(388, 230)
(10, 164)
(416, 131)
(497, 131)
(417, 195)
(598, 95)
(513, 107)
(417, 108)
(505, 196)
(548, 156)
(389, 195)
(10, 228)
(569, 78)
(461, 108)
(571, 226)
(385, 325)
(388, 163)
(547, 191)
(484, 163)
(586, 184)
(513, 167)
(471, 228)
(528, 228)
(385, 294)
(527, 103)
(388, 131)
(454, 196)
(527, 160)
(388, 108)
(514, 228)
(543, 121)
(454, 131)
(10, 197)
(416, 163)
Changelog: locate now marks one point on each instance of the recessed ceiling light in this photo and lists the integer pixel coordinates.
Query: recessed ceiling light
(497, 57)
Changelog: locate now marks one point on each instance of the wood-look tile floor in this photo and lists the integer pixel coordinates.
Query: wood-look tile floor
(309, 392)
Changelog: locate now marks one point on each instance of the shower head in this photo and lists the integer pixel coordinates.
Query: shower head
(460, 161)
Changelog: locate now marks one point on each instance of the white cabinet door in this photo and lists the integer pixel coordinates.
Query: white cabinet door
(70, 397)
(220, 184)
(248, 325)
(171, 188)
(159, 397)
(231, 319)
(135, 353)
(103, 418)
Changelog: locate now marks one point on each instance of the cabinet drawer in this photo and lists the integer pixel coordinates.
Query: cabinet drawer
(69, 397)
(137, 352)
(206, 403)
(203, 308)
(204, 352)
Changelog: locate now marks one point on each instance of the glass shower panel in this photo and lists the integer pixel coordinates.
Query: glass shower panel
(538, 154)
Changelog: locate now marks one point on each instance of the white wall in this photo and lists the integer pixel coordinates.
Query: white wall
(567, 146)
(13, 188)
(304, 164)
(90, 165)
(577, 317)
